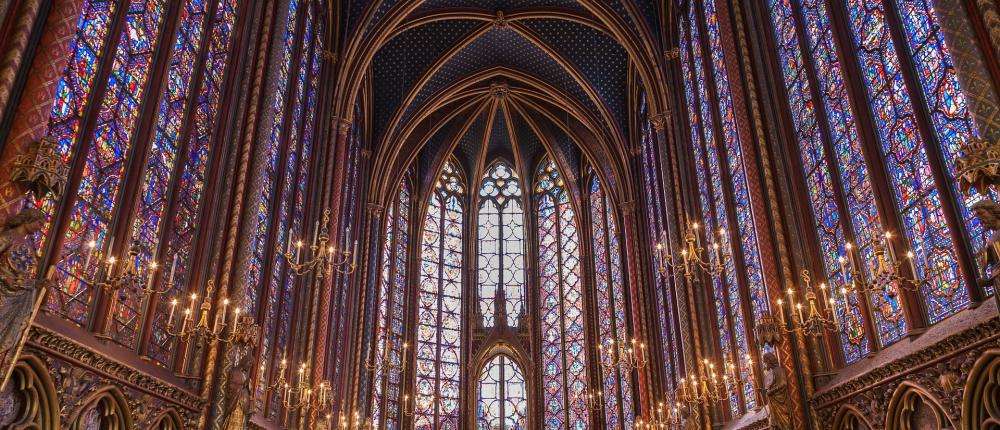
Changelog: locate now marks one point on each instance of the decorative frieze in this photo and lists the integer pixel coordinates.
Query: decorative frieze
(939, 372)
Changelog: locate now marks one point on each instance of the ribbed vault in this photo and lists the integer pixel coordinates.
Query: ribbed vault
(471, 78)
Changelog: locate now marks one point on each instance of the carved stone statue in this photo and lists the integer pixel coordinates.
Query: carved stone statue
(237, 395)
(776, 388)
(20, 295)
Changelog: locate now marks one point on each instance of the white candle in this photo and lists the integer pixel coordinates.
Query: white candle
(354, 254)
(225, 302)
(315, 234)
(187, 317)
(91, 244)
(173, 307)
(152, 272)
(173, 270)
(111, 268)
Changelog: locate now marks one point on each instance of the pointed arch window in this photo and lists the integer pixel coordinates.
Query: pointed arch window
(564, 360)
(439, 312)
(390, 317)
(611, 308)
(723, 194)
(908, 84)
(501, 246)
(165, 152)
(503, 395)
(656, 214)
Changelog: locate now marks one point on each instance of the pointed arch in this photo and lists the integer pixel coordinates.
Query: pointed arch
(500, 244)
(439, 313)
(561, 302)
(387, 357)
(31, 396)
(169, 420)
(612, 307)
(502, 394)
(107, 408)
(913, 407)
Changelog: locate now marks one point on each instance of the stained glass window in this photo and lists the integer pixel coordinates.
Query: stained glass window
(656, 213)
(191, 181)
(281, 194)
(611, 309)
(104, 151)
(165, 150)
(501, 246)
(439, 312)
(387, 356)
(714, 153)
(834, 161)
(819, 161)
(564, 372)
(906, 159)
(503, 396)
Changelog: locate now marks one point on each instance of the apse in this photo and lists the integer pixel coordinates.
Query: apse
(499, 214)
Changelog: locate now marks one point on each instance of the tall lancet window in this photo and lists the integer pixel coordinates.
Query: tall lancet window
(609, 282)
(723, 196)
(130, 128)
(907, 88)
(564, 361)
(503, 396)
(439, 312)
(387, 357)
(501, 247)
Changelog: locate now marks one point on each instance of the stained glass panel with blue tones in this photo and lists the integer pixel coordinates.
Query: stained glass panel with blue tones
(819, 178)
(611, 309)
(503, 396)
(72, 298)
(712, 159)
(105, 153)
(564, 373)
(501, 246)
(261, 202)
(387, 355)
(439, 311)
(906, 160)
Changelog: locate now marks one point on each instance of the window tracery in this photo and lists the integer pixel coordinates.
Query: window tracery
(501, 246)
(612, 307)
(390, 317)
(908, 82)
(564, 360)
(503, 396)
(439, 311)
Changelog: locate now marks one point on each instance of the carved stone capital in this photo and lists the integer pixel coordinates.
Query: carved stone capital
(769, 331)
(672, 54)
(979, 168)
(376, 210)
(329, 55)
(659, 120)
(343, 125)
(41, 169)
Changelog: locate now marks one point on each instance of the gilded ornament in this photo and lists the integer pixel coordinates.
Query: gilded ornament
(41, 169)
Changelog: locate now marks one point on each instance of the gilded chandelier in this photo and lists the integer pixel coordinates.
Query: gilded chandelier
(665, 415)
(886, 275)
(627, 356)
(322, 257)
(116, 276)
(711, 384)
(817, 315)
(691, 253)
